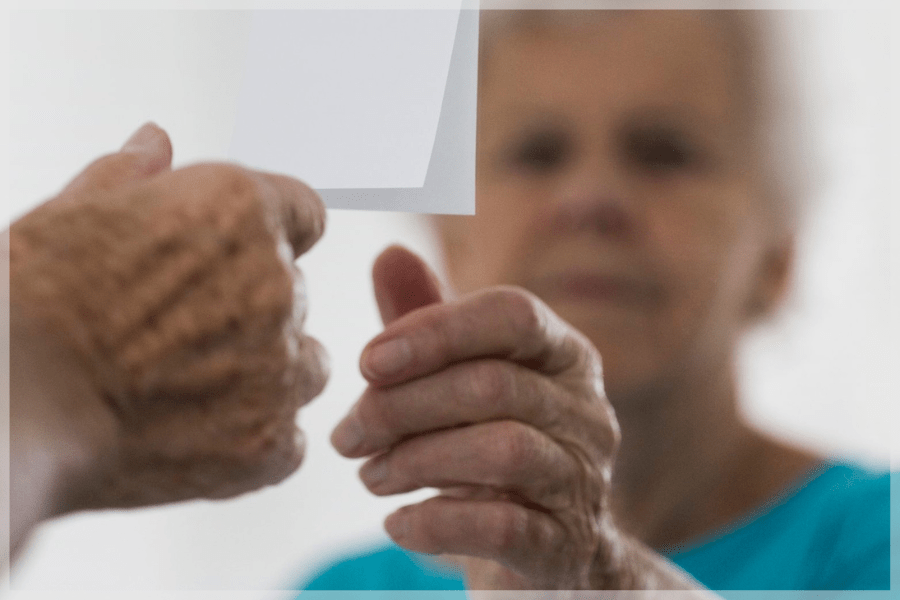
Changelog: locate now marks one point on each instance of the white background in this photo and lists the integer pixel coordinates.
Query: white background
(821, 374)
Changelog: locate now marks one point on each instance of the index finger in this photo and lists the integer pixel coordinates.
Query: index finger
(298, 209)
(502, 322)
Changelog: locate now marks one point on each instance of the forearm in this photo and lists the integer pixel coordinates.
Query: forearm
(48, 451)
(34, 481)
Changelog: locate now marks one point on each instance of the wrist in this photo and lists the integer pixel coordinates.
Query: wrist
(56, 430)
(626, 563)
(613, 562)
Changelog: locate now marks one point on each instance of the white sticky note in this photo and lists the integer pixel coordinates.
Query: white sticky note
(373, 108)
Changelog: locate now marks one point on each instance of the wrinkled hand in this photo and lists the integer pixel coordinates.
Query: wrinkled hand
(176, 295)
(499, 404)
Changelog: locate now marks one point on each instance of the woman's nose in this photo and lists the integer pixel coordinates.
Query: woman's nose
(593, 198)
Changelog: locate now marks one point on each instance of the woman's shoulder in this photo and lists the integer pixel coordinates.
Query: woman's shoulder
(845, 476)
(835, 498)
(845, 491)
(851, 495)
(834, 488)
(848, 511)
(830, 529)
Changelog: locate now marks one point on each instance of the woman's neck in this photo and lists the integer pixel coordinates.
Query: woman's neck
(688, 464)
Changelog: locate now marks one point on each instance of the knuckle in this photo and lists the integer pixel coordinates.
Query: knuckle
(524, 310)
(440, 333)
(229, 190)
(314, 367)
(287, 449)
(320, 365)
(591, 364)
(297, 208)
(299, 296)
(613, 432)
(490, 383)
(225, 178)
(507, 530)
(270, 304)
(278, 468)
(265, 445)
(605, 425)
(515, 451)
(240, 190)
(235, 179)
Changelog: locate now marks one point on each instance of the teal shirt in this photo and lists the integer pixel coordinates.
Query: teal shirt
(830, 531)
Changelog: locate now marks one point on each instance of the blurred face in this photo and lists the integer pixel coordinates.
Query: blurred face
(616, 181)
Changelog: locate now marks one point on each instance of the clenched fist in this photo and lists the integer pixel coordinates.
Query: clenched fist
(156, 326)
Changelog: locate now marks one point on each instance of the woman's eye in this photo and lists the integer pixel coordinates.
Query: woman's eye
(659, 151)
(542, 152)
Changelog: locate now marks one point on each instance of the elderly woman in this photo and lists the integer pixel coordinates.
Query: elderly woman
(631, 210)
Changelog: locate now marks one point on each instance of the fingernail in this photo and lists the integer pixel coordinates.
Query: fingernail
(375, 471)
(397, 525)
(143, 139)
(348, 435)
(151, 146)
(387, 358)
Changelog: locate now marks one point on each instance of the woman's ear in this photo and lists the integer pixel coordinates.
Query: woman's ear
(773, 281)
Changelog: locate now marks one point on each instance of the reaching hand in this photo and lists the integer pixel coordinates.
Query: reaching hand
(499, 404)
(172, 298)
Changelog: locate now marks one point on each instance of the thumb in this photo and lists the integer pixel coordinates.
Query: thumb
(403, 283)
(147, 152)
